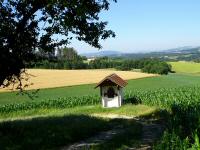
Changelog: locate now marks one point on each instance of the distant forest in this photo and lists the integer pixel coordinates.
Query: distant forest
(68, 58)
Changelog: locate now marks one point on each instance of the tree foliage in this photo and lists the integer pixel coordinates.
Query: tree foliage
(69, 53)
(148, 65)
(27, 26)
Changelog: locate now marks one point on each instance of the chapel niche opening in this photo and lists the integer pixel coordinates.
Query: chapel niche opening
(111, 92)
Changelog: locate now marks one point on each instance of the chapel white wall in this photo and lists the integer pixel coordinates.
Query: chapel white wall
(112, 102)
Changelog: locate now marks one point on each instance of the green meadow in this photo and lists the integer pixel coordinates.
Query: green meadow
(165, 81)
(185, 67)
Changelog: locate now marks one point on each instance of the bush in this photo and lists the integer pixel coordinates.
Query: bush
(171, 141)
(157, 67)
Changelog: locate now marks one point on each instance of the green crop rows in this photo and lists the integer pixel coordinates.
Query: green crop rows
(58, 103)
(166, 97)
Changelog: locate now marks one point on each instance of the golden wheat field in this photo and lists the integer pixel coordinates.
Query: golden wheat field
(46, 78)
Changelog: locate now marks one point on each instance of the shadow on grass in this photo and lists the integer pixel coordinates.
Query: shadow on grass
(134, 136)
(53, 132)
(49, 132)
(130, 137)
(58, 131)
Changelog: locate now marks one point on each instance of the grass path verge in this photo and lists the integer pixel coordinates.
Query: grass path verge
(95, 110)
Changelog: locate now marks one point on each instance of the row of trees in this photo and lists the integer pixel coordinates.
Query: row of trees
(146, 65)
(62, 58)
(68, 58)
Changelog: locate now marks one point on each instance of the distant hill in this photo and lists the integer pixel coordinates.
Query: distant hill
(103, 53)
(183, 53)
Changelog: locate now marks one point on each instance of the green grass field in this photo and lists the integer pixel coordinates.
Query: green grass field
(61, 126)
(165, 81)
(186, 67)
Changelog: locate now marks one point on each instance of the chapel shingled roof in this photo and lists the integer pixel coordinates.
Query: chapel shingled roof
(113, 78)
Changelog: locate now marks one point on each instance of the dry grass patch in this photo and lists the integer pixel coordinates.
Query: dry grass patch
(46, 78)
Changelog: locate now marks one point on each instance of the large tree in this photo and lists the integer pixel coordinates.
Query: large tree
(30, 25)
(70, 53)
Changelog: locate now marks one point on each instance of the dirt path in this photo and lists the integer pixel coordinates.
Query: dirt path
(151, 131)
(97, 139)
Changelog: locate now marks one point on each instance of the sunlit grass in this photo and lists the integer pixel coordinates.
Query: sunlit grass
(186, 67)
(96, 110)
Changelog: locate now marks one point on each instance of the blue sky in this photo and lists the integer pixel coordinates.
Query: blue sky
(149, 25)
